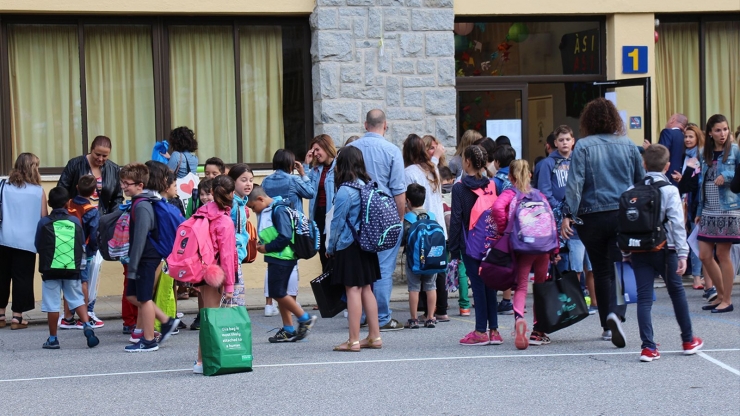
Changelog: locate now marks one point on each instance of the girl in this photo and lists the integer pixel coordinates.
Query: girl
(243, 178)
(354, 268)
(219, 280)
(520, 177)
(283, 183)
(474, 159)
(321, 160)
(718, 214)
(182, 160)
(466, 140)
(24, 204)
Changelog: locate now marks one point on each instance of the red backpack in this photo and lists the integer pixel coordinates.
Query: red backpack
(193, 250)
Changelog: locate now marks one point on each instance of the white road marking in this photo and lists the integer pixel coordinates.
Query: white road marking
(719, 363)
(394, 360)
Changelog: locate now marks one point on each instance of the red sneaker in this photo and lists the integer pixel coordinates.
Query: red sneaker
(690, 348)
(648, 355)
(521, 342)
(495, 337)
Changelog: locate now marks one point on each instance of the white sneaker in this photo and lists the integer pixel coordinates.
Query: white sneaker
(346, 314)
(197, 368)
(271, 310)
(97, 322)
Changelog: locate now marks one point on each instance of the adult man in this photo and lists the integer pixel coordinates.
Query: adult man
(384, 164)
(672, 138)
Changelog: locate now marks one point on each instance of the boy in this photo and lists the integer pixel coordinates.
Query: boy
(143, 260)
(502, 158)
(81, 207)
(214, 167)
(55, 281)
(415, 196)
(670, 262)
(275, 230)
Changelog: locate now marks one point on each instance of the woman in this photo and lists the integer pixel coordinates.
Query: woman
(24, 204)
(354, 268)
(182, 159)
(320, 159)
(718, 214)
(108, 194)
(431, 144)
(604, 164)
(282, 183)
(466, 140)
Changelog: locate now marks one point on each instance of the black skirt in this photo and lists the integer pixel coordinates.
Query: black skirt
(355, 267)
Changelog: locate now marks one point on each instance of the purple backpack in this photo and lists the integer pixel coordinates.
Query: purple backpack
(482, 228)
(533, 224)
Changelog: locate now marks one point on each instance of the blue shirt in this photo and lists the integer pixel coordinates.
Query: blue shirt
(290, 187)
(21, 215)
(184, 160)
(315, 175)
(383, 162)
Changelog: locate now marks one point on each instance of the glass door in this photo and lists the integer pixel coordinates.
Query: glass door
(632, 99)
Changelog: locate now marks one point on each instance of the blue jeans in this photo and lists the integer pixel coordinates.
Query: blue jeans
(646, 265)
(694, 257)
(577, 257)
(384, 286)
(486, 305)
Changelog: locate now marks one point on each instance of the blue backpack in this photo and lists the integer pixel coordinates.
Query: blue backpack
(505, 182)
(426, 247)
(168, 219)
(305, 242)
(380, 226)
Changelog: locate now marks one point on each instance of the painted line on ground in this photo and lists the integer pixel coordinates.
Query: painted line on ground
(718, 362)
(392, 360)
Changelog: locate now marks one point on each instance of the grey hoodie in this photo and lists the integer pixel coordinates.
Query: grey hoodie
(143, 222)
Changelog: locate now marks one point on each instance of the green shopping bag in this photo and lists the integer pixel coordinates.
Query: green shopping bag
(225, 340)
(164, 297)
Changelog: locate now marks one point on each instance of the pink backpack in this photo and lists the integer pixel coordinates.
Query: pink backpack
(193, 250)
(482, 228)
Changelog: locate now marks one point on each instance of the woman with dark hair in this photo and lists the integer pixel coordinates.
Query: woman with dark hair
(282, 183)
(182, 159)
(321, 159)
(354, 268)
(604, 164)
(24, 204)
(108, 194)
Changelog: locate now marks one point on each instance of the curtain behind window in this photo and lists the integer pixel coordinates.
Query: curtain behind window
(120, 89)
(46, 113)
(677, 72)
(202, 87)
(261, 70)
(723, 70)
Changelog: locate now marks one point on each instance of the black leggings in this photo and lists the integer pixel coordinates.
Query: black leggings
(17, 266)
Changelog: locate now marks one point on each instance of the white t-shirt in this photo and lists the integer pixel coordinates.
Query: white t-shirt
(433, 200)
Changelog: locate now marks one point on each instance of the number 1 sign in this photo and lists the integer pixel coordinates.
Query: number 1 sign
(634, 59)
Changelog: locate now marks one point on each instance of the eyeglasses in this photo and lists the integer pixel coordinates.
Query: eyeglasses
(125, 184)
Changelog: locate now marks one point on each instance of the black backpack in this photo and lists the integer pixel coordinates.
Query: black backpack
(61, 248)
(640, 225)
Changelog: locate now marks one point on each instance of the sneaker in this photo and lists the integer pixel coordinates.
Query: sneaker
(690, 348)
(615, 325)
(305, 327)
(271, 310)
(647, 355)
(168, 328)
(51, 345)
(128, 330)
(592, 310)
(282, 336)
(92, 340)
(606, 335)
(538, 338)
(181, 325)
(711, 294)
(430, 323)
(475, 338)
(197, 368)
(505, 307)
(97, 323)
(411, 324)
(176, 331)
(70, 323)
(521, 342)
(392, 325)
(136, 337)
(143, 346)
(495, 337)
(195, 326)
(464, 312)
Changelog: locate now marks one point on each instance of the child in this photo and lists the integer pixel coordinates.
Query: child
(143, 258)
(81, 207)
(415, 195)
(670, 263)
(69, 285)
(243, 178)
(205, 195)
(355, 269)
(214, 166)
(520, 178)
(502, 158)
(171, 193)
(275, 230)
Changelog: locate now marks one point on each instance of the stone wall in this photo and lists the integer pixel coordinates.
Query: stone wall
(397, 55)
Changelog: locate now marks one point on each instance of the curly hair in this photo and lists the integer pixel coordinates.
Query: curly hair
(182, 139)
(600, 116)
(415, 153)
(477, 157)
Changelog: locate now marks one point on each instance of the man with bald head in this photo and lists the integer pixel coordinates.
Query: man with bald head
(384, 164)
(672, 138)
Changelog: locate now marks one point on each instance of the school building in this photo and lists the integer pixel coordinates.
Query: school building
(250, 76)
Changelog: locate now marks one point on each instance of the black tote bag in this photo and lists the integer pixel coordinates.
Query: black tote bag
(328, 296)
(559, 302)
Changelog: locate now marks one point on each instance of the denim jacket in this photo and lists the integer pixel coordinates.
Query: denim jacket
(315, 174)
(346, 206)
(290, 187)
(728, 200)
(602, 167)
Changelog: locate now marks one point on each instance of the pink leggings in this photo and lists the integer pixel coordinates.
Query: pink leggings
(525, 263)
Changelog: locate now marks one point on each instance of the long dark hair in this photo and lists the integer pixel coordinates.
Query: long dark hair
(350, 166)
(415, 153)
(709, 140)
(223, 191)
(238, 170)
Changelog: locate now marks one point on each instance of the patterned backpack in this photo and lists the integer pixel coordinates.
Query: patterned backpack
(305, 242)
(534, 230)
(482, 229)
(380, 225)
(118, 244)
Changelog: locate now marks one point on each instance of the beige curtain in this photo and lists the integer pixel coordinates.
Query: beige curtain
(202, 87)
(677, 72)
(723, 70)
(261, 67)
(120, 89)
(46, 114)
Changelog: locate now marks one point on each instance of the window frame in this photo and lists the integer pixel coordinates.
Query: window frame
(161, 61)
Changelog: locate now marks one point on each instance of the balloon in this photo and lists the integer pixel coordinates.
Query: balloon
(518, 32)
(463, 28)
(461, 43)
(656, 36)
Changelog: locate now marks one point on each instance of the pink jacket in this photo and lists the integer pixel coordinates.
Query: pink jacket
(500, 209)
(224, 241)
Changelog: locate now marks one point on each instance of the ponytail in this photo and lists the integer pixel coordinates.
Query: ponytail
(520, 175)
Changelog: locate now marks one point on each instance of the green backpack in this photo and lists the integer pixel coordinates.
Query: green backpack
(61, 248)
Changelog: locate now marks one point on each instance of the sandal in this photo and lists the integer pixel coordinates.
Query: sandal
(347, 346)
(372, 343)
(19, 324)
(430, 323)
(3, 322)
(183, 296)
